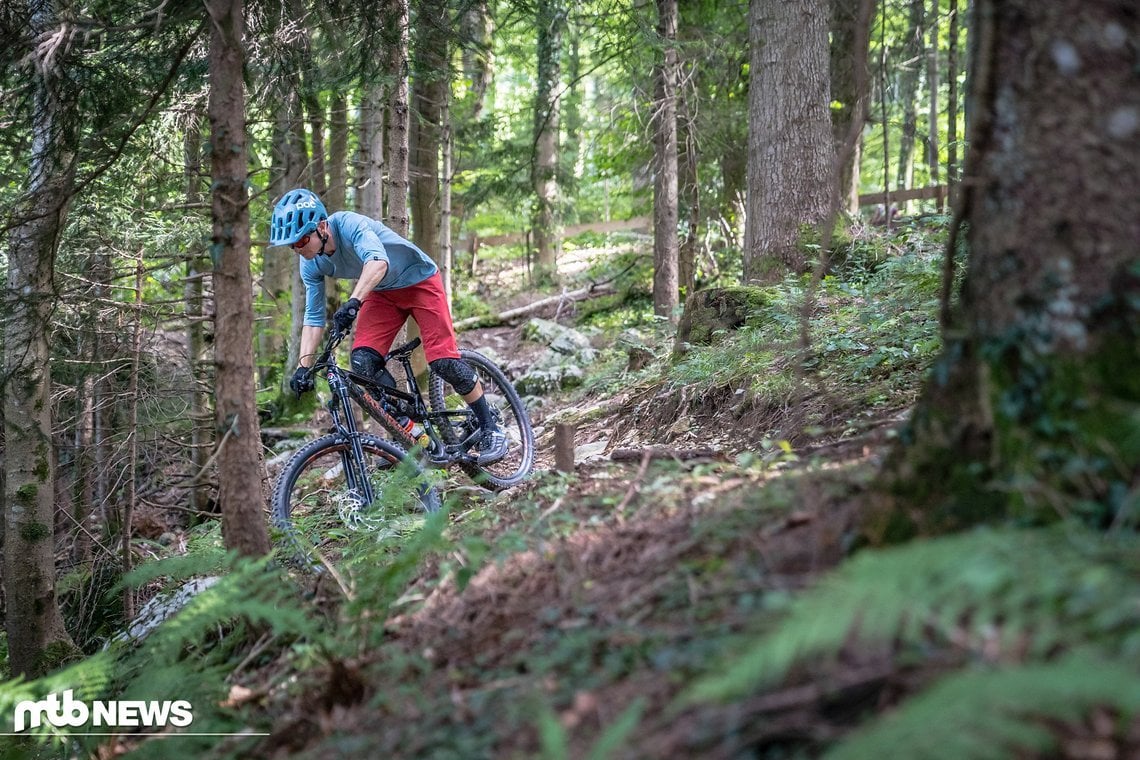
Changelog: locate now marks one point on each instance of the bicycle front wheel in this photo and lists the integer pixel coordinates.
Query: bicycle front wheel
(508, 408)
(323, 513)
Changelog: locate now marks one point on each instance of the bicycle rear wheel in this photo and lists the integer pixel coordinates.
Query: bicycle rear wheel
(322, 517)
(507, 406)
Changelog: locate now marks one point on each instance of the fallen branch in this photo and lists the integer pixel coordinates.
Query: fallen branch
(632, 455)
(491, 320)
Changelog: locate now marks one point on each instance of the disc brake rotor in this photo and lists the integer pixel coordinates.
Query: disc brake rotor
(354, 513)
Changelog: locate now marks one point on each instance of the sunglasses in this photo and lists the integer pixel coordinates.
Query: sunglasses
(302, 242)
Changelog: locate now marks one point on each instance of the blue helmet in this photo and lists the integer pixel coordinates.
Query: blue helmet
(295, 215)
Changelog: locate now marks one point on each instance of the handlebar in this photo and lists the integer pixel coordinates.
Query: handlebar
(331, 342)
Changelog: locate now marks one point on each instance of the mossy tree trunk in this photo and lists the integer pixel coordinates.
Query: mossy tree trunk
(1030, 412)
(36, 634)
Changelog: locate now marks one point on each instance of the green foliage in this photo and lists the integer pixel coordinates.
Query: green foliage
(1034, 606)
(555, 740)
(869, 332)
(985, 713)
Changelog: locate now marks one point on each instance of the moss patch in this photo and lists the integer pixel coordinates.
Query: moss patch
(26, 494)
(710, 314)
(34, 532)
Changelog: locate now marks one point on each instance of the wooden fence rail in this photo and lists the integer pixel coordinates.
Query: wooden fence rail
(474, 242)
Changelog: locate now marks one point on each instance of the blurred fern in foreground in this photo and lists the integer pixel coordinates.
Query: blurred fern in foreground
(1051, 617)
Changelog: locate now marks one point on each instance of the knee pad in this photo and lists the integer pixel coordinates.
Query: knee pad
(370, 363)
(457, 372)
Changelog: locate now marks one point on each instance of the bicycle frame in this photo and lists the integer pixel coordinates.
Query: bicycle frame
(346, 385)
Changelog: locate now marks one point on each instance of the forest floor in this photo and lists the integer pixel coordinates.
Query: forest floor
(696, 510)
(572, 616)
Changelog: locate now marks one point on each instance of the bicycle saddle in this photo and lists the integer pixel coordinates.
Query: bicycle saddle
(404, 350)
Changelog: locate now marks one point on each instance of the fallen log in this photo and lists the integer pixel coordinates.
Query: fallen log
(491, 320)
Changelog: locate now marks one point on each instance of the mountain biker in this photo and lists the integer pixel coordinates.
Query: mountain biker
(394, 280)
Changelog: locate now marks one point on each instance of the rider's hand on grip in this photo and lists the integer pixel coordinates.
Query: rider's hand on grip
(346, 315)
(302, 380)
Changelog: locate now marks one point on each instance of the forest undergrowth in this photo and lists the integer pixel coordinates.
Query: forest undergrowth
(697, 587)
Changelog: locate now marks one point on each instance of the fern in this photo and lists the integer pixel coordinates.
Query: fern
(252, 590)
(982, 714)
(1043, 589)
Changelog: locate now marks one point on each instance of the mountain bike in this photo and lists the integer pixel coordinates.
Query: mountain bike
(349, 481)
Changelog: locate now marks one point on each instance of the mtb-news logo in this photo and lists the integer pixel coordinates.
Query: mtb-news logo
(69, 712)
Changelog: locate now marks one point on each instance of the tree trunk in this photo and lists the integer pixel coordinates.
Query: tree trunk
(908, 87)
(241, 472)
(688, 188)
(952, 105)
(572, 119)
(850, 28)
(428, 93)
(1024, 414)
(37, 639)
(790, 151)
(338, 151)
(278, 265)
(315, 111)
(429, 81)
(547, 233)
(198, 400)
(478, 57)
(133, 432)
(370, 154)
(445, 249)
(932, 162)
(398, 148)
(665, 243)
(398, 113)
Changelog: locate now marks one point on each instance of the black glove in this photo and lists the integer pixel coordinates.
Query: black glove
(346, 314)
(302, 380)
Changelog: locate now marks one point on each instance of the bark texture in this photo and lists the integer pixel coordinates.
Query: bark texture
(476, 25)
(198, 401)
(665, 241)
(428, 92)
(279, 265)
(1024, 414)
(241, 473)
(37, 639)
(850, 31)
(397, 15)
(790, 151)
(370, 154)
(913, 60)
(547, 233)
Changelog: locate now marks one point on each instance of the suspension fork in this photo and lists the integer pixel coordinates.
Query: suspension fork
(355, 474)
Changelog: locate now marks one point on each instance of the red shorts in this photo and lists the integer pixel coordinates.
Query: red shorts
(384, 312)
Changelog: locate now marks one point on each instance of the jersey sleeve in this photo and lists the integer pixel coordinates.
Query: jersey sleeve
(367, 245)
(314, 283)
